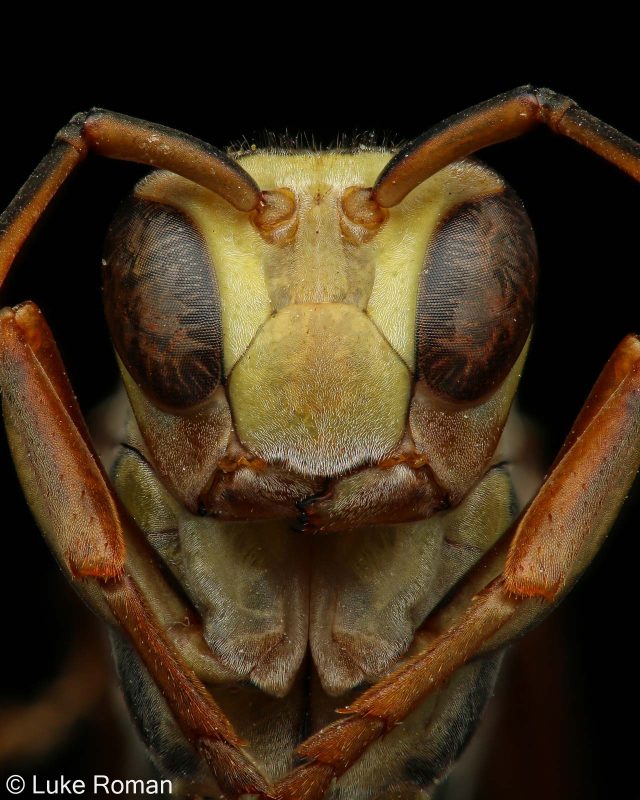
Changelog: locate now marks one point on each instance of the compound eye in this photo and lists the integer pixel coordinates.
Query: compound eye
(162, 304)
(476, 297)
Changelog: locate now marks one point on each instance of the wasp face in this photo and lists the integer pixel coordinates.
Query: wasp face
(318, 358)
(334, 337)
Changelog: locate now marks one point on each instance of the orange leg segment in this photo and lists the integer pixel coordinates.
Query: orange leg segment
(88, 528)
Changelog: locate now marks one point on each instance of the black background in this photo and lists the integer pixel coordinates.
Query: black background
(586, 218)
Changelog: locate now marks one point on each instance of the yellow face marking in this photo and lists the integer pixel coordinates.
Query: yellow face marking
(320, 390)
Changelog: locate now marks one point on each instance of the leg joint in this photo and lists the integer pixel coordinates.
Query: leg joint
(73, 133)
(552, 107)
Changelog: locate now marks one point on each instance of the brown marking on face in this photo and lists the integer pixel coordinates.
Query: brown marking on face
(162, 304)
(250, 462)
(476, 297)
(362, 217)
(413, 460)
(276, 218)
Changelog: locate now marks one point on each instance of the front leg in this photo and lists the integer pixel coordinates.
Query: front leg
(514, 586)
(96, 542)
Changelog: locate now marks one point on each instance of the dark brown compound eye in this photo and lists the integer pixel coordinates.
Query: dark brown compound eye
(162, 304)
(476, 297)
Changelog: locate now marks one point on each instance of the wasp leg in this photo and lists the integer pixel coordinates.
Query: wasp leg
(515, 585)
(87, 529)
(506, 116)
(127, 139)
